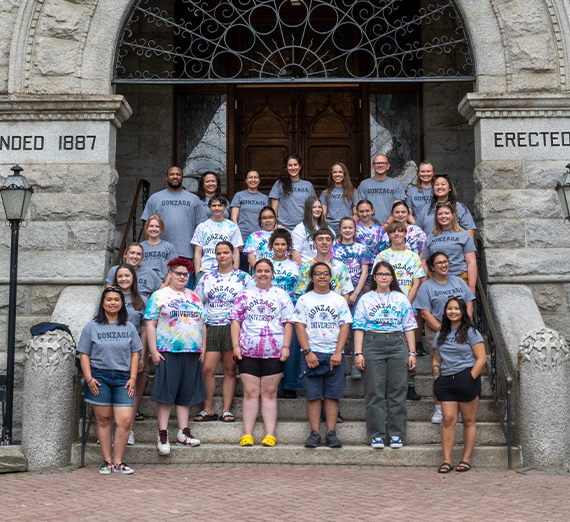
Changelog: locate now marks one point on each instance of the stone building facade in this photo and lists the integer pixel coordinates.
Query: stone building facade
(83, 141)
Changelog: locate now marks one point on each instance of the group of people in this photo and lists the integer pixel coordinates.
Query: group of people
(363, 271)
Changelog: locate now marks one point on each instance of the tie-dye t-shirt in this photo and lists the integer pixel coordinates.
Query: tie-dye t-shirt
(373, 237)
(322, 314)
(339, 277)
(415, 240)
(180, 317)
(208, 234)
(384, 313)
(218, 293)
(263, 314)
(286, 276)
(258, 244)
(353, 257)
(406, 264)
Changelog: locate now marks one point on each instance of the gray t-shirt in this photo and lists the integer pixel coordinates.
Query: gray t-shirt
(109, 345)
(147, 280)
(158, 256)
(292, 207)
(250, 205)
(135, 316)
(208, 212)
(455, 245)
(417, 200)
(425, 219)
(457, 357)
(181, 212)
(337, 207)
(432, 295)
(382, 195)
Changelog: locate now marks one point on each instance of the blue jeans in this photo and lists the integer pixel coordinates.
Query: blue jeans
(293, 365)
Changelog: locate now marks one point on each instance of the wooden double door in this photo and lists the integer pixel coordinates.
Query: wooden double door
(322, 126)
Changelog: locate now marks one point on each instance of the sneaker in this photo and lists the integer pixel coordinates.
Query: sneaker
(162, 443)
(313, 440)
(437, 417)
(185, 437)
(123, 469)
(355, 374)
(131, 441)
(459, 418)
(412, 393)
(396, 442)
(105, 468)
(332, 441)
(377, 443)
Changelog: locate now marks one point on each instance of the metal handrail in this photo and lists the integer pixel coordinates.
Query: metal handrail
(496, 355)
(144, 187)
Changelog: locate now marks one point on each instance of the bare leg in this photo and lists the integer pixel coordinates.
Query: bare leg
(449, 410)
(468, 413)
(251, 393)
(182, 414)
(314, 414)
(211, 360)
(162, 414)
(104, 415)
(229, 386)
(123, 416)
(331, 410)
(269, 385)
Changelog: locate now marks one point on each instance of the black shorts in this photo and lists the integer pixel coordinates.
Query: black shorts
(459, 387)
(260, 367)
(218, 338)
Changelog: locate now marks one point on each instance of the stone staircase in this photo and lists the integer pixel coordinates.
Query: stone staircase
(220, 441)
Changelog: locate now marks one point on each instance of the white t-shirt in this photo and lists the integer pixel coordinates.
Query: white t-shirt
(322, 314)
(302, 244)
(209, 234)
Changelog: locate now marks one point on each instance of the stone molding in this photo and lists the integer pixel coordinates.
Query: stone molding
(545, 349)
(476, 106)
(46, 352)
(61, 107)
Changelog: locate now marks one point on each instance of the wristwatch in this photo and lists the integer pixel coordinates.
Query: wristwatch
(306, 352)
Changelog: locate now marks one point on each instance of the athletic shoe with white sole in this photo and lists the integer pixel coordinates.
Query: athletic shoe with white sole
(105, 468)
(123, 469)
(437, 417)
(131, 441)
(396, 442)
(162, 443)
(185, 437)
(377, 443)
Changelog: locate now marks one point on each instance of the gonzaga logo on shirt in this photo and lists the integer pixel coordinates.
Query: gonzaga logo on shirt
(112, 336)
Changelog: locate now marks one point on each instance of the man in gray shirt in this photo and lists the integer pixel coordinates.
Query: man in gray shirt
(381, 190)
(180, 210)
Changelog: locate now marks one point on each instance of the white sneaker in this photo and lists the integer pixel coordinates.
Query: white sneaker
(131, 441)
(437, 417)
(162, 443)
(459, 419)
(185, 437)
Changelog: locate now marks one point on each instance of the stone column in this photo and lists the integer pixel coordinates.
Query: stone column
(545, 398)
(49, 400)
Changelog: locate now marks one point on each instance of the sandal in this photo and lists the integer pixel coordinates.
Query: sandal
(246, 440)
(446, 467)
(463, 466)
(269, 440)
(204, 416)
(227, 416)
(139, 416)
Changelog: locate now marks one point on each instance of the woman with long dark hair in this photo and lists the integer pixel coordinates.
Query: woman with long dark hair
(458, 360)
(257, 244)
(313, 219)
(339, 199)
(289, 193)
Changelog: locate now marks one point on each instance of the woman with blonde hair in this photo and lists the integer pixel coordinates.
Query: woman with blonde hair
(157, 251)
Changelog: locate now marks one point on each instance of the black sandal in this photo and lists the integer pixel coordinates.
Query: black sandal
(446, 467)
(463, 466)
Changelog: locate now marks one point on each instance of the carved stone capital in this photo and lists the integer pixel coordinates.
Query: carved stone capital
(46, 352)
(545, 349)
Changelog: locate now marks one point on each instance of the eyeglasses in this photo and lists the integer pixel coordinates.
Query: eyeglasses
(380, 163)
(383, 274)
(442, 263)
(183, 275)
(318, 274)
(267, 217)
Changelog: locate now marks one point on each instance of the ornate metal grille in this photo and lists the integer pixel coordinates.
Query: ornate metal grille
(213, 41)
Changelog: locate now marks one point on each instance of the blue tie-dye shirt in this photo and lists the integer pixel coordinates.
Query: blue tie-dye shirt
(353, 256)
(384, 313)
(286, 276)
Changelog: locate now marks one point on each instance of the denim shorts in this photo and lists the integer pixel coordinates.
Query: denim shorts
(112, 391)
(329, 384)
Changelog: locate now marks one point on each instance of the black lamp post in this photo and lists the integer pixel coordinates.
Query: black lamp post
(563, 190)
(16, 194)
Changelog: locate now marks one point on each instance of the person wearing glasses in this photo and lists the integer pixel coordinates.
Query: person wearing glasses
(448, 237)
(323, 321)
(384, 325)
(109, 346)
(381, 190)
(444, 191)
(176, 339)
(257, 244)
(430, 302)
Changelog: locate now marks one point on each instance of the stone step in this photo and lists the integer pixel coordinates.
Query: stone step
(288, 432)
(351, 409)
(360, 455)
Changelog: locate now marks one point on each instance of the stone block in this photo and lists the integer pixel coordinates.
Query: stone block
(560, 323)
(497, 203)
(23, 293)
(529, 265)
(90, 178)
(76, 317)
(548, 297)
(38, 236)
(536, 53)
(503, 233)
(91, 235)
(47, 178)
(532, 82)
(55, 57)
(12, 459)
(524, 18)
(547, 233)
(23, 325)
(64, 20)
(18, 367)
(65, 206)
(567, 294)
(499, 175)
(44, 298)
(543, 174)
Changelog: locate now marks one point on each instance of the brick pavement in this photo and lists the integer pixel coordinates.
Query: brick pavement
(264, 493)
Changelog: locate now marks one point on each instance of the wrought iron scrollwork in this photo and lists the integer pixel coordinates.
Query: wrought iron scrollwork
(302, 40)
